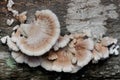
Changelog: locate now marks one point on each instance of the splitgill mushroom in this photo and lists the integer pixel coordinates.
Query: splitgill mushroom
(61, 42)
(7, 40)
(10, 21)
(39, 43)
(22, 17)
(38, 37)
(4, 39)
(104, 48)
(32, 61)
(71, 58)
(9, 7)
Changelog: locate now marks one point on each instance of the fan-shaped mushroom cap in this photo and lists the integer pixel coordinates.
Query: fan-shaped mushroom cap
(4, 39)
(114, 49)
(99, 52)
(83, 47)
(61, 42)
(22, 17)
(15, 28)
(58, 61)
(18, 57)
(70, 58)
(7, 40)
(32, 61)
(12, 45)
(10, 21)
(104, 47)
(106, 41)
(37, 38)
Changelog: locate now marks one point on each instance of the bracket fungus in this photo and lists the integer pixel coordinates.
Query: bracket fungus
(7, 40)
(61, 42)
(104, 48)
(71, 58)
(38, 37)
(39, 43)
(19, 57)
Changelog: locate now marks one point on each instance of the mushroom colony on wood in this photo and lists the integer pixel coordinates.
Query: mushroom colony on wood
(39, 43)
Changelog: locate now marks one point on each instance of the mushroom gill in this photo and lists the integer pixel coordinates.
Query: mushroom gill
(19, 57)
(104, 47)
(70, 58)
(38, 37)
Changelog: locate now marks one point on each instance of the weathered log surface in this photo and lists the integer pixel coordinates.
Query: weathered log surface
(108, 69)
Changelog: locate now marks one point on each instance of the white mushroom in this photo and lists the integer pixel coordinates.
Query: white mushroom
(9, 7)
(10, 4)
(32, 61)
(16, 27)
(37, 38)
(71, 58)
(4, 39)
(114, 49)
(12, 45)
(7, 40)
(83, 47)
(22, 17)
(18, 57)
(60, 63)
(104, 48)
(10, 21)
(61, 42)
(100, 52)
(106, 41)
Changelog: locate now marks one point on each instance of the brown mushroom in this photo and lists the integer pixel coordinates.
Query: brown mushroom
(104, 48)
(37, 38)
(70, 58)
(100, 52)
(22, 17)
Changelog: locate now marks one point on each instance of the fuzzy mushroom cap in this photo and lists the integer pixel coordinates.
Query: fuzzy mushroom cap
(58, 61)
(8, 41)
(22, 17)
(70, 58)
(32, 61)
(100, 52)
(37, 38)
(104, 48)
(61, 42)
(106, 41)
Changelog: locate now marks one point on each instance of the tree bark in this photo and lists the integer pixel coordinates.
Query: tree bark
(105, 69)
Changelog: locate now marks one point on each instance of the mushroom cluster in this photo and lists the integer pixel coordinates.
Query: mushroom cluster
(39, 43)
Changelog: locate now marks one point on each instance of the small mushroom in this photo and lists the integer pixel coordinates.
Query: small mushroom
(18, 57)
(32, 61)
(10, 21)
(12, 45)
(71, 58)
(83, 47)
(9, 7)
(10, 4)
(61, 42)
(4, 39)
(104, 48)
(114, 49)
(38, 37)
(7, 40)
(106, 41)
(60, 63)
(22, 17)
(100, 52)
